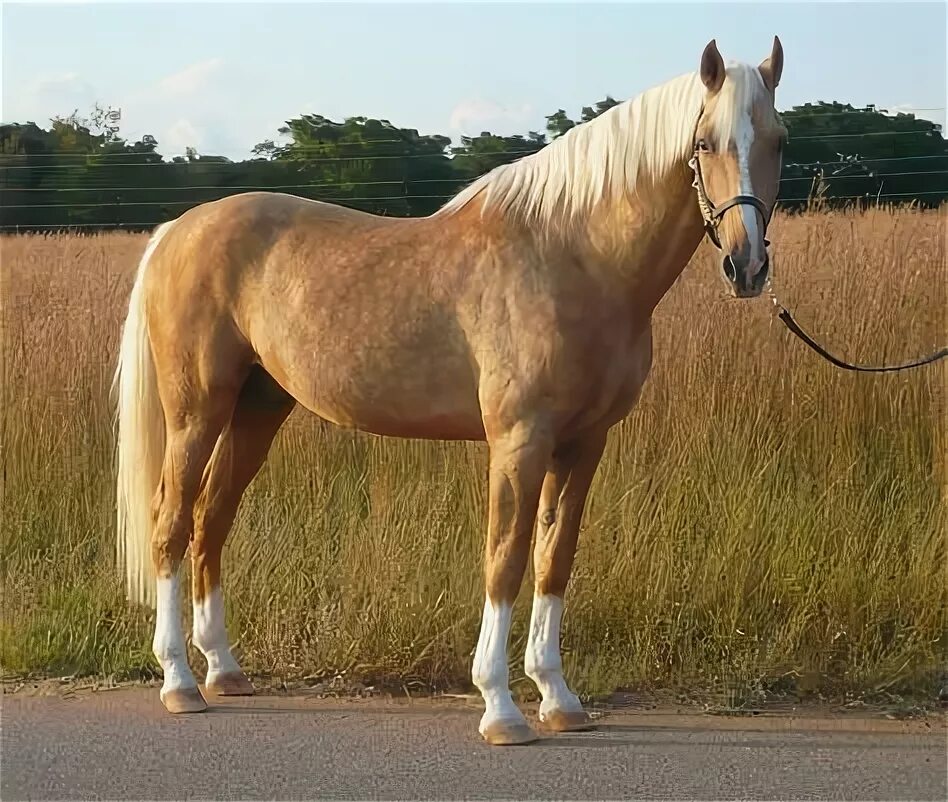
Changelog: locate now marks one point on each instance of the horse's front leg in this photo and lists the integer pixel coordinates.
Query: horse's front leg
(560, 512)
(518, 459)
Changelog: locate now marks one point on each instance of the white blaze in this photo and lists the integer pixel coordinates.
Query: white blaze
(744, 139)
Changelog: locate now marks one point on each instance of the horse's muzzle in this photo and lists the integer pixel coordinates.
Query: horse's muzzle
(742, 283)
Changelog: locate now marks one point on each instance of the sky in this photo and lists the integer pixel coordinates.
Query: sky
(222, 76)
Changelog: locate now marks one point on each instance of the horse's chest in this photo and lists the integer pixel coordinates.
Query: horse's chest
(613, 370)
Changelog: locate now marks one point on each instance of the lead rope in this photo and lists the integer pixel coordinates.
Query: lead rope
(788, 320)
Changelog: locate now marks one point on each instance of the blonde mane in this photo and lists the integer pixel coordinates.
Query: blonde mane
(634, 143)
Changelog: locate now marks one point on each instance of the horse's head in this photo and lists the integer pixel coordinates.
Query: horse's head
(737, 144)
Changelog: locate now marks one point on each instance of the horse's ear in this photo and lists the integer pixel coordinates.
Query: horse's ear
(772, 67)
(712, 67)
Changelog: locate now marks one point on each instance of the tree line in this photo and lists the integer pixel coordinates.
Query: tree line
(79, 172)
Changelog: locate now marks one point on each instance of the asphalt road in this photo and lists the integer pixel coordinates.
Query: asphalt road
(121, 745)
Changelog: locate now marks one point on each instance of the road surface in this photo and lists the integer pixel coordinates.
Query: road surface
(121, 745)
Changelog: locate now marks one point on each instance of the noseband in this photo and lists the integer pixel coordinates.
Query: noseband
(711, 214)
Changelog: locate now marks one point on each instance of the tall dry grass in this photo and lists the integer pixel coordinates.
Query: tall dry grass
(762, 520)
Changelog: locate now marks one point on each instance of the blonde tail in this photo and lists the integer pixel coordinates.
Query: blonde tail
(140, 441)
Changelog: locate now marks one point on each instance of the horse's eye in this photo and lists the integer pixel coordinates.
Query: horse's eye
(703, 146)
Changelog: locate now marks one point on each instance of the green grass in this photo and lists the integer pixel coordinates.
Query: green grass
(761, 522)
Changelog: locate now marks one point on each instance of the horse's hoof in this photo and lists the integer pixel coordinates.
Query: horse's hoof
(184, 700)
(509, 733)
(563, 721)
(233, 683)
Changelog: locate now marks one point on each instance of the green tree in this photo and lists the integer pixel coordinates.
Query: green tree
(79, 170)
(364, 162)
(590, 112)
(65, 175)
(842, 152)
(479, 154)
(558, 123)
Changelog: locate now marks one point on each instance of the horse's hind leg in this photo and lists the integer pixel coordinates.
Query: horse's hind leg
(261, 409)
(199, 379)
(191, 439)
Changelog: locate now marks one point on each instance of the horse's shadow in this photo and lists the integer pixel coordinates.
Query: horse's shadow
(215, 708)
(603, 735)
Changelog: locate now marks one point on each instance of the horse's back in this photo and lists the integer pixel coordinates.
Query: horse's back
(260, 218)
(220, 253)
(342, 308)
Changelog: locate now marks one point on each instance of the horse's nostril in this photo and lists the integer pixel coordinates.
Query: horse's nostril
(764, 269)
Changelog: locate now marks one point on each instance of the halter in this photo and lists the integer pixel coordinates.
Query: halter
(711, 214)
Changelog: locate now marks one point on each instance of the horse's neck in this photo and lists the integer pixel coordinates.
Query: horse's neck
(643, 243)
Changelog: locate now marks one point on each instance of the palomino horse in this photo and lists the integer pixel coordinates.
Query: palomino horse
(518, 314)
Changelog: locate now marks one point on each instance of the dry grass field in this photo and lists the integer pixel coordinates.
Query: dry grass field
(761, 522)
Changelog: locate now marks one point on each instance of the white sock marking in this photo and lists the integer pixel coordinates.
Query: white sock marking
(543, 663)
(168, 643)
(210, 635)
(490, 672)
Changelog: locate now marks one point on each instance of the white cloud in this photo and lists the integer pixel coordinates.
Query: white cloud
(193, 78)
(921, 112)
(177, 137)
(48, 96)
(473, 115)
(185, 108)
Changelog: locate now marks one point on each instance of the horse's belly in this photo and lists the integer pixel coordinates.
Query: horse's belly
(424, 427)
(394, 396)
(433, 417)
